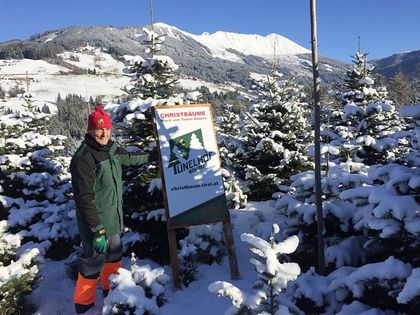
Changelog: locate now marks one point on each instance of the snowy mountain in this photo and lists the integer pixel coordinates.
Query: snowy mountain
(224, 44)
(217, 57)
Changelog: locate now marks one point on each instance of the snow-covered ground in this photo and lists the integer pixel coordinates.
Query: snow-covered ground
(55, 293)
(46, 81)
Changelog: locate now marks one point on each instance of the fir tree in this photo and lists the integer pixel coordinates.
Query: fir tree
(365, 128)
(35, 180)
(275, 134)
(154, 76)
(273, 276)
(147, 285)
(227, 123)
(370, 223)
(35, 202)
(134, 130)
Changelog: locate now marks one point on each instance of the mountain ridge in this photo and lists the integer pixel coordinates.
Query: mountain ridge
(407, 63)
(195, 59)
(215, 57)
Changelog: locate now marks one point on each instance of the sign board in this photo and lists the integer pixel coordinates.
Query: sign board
(191, 175)
(190, 164)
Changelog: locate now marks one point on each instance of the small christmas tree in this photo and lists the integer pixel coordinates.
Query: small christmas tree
(139, 290)
(273, 277)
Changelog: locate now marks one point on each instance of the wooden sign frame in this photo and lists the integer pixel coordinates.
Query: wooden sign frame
(220, 217)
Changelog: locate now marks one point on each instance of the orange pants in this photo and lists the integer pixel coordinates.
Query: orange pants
(109, 269)
(84, 293)
(92, 266)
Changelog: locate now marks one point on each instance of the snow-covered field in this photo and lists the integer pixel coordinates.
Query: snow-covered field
(45, 81)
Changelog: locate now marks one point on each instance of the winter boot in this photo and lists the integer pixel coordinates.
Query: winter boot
(84, 294)
(109, 269)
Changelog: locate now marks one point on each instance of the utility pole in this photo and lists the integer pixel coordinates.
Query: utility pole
(317, 112)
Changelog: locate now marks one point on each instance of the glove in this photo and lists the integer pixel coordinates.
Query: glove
(99, 240)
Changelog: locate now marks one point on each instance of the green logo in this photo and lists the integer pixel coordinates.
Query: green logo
(188, 153)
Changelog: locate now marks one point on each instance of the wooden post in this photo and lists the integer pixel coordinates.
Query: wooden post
(318, 191)
(233, 262)
(173, 251)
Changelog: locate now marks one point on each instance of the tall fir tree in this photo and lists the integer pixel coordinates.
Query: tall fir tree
(227, 123)
(366, 126)
(155, 76)
(154, 80)
(275, 134)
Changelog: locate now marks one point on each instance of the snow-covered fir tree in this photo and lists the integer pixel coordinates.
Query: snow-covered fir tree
(273, 276)
(134, 122)
(134, 129)
(227, 126)
(140, 290)
(35, 206)
(365, 127)
(155, 76)
(274, 134)
(34, 179)
(371, 218)
(19, 267)
(204, 244)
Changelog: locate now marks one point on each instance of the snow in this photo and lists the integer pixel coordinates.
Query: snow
(352, 109)
(359, 308)
(28, 67)
(47, 80)
(391, 268)
(367, 81)
(128, 292)
(192, 84)
(239, 298)
(93, 58)
(411, 288)
(267, 47)
(410, 111)
(54, 294)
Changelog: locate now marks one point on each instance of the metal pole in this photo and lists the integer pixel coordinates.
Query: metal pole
(318, 191)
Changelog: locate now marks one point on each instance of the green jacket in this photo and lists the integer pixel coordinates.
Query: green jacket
(97, 186)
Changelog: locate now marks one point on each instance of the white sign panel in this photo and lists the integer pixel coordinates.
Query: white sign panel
(190, 161)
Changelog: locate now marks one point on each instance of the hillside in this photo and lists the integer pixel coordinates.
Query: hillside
(407, 63)
(216, 58)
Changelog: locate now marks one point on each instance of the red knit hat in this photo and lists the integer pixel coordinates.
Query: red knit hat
(99, 119)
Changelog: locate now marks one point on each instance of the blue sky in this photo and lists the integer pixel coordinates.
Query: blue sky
(385, 26)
